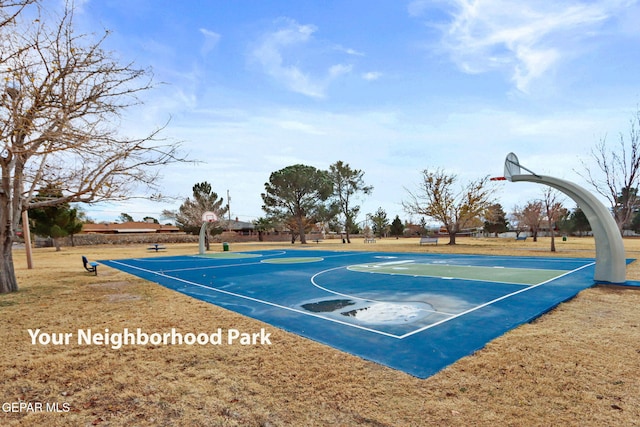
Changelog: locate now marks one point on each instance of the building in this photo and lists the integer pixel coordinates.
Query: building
(128, 227)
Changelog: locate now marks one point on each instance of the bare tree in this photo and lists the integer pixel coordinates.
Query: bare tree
(619, 175)
(516, 220)
(62, 99)
(9, 10)
(438, 198)
(554, 211)
(531, 217)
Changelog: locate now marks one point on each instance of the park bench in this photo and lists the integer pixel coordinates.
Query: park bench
(369, 240)
(91, 267)
(427, 240)
(156, 247)
(317, 240)
(523, 238)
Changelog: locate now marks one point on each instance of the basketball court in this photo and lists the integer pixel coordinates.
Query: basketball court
(414, 312)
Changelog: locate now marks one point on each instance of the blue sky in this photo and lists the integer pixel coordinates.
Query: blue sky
(390, 87)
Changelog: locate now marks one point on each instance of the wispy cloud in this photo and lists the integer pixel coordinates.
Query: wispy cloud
(525, 39)
(349, 51)
(278, 53)
(211, 40)
(371, 76)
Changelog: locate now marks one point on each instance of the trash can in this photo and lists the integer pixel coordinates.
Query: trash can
(225, 246)
(564, 238)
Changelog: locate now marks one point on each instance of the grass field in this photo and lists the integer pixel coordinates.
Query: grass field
(577, 365)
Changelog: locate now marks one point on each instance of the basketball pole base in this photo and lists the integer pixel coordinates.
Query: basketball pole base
(203, 232)
(207, 217)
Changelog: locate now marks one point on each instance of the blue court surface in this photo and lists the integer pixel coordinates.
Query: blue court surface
(413, 312)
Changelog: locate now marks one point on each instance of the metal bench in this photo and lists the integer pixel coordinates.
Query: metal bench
(91, 267)
(427, 240)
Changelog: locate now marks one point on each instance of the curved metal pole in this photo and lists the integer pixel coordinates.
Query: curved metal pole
(610, 256)
(202, 237)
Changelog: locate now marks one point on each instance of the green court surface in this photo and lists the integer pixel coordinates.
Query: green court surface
(520, 276)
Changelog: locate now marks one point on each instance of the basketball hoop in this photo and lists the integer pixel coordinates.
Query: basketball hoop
(513, 167)
(498, 178)
(209, 217)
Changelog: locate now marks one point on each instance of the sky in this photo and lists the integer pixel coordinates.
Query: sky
(390, 87)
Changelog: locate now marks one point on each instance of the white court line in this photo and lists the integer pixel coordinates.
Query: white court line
(491, 302)
(349, 296)
(238, 264)
(295, 310)
(207, 267)
(375, 265)
(313, 282)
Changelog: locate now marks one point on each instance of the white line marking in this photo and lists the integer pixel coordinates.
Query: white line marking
(491, 302)
(295, 310)
(349, 296)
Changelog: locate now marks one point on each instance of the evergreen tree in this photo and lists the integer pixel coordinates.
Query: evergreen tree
(189, 215)
(495, 220)
(297, 194)
(54, 222)
(380, 222)
(397, 227)
(579, 221)
(347, 183)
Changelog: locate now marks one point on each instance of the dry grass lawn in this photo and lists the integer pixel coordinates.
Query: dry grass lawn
(578, 365)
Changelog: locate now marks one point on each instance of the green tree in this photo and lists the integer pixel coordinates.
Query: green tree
(54, 222)
(635, 223)
(296, 193)
(262, 225)
(579, 222)
(456, 209)
(397, 227)
(347, 183)
(495, 220)
(75, 223)
(125, 217)
(380, 222)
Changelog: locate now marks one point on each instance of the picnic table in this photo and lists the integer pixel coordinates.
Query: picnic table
(156, 247)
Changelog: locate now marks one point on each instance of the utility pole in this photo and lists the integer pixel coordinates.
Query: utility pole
(229, 211)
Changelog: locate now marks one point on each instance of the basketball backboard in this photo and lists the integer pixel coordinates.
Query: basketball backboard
(209, 217)
(511, 166)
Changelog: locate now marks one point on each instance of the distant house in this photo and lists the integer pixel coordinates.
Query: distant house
(128, 227)
(241, 228)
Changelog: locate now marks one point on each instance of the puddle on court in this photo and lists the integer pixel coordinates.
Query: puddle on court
(391, 313)
(371, 312)
(327, 305)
